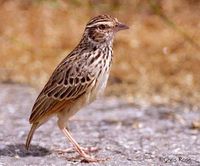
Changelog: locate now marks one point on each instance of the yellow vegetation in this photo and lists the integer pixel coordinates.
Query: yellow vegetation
(153, 62)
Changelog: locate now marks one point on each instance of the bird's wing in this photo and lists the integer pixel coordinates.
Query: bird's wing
(69, 81)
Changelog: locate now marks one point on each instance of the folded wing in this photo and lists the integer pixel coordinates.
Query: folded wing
(68, 82)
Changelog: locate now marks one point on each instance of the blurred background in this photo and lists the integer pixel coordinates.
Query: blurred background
(156, 61)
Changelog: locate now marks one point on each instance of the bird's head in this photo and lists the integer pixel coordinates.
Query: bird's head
(102, 28)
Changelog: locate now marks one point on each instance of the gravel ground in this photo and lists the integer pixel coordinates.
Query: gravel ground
(128, 134)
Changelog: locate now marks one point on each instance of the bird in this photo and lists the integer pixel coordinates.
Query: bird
(78, 80)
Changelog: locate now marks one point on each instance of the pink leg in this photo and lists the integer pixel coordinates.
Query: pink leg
(78, 148)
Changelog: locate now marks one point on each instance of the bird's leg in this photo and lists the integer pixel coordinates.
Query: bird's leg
(78, 148)
(61, 124)
(76, 145)
(72, 150)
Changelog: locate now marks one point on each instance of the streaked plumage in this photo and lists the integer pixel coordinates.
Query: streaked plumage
(79, 79)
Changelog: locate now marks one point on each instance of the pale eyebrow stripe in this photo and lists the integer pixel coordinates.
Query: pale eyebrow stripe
(98, 23)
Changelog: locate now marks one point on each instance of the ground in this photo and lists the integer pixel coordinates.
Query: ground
(124, 132)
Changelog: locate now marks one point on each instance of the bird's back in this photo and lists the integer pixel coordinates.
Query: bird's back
(73, 78)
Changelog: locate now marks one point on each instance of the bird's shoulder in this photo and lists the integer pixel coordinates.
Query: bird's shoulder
(70, 79)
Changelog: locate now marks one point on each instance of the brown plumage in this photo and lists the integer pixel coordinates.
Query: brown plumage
(78, 79)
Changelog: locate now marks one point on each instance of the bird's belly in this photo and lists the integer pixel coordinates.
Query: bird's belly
(87, 98)
(100, 86)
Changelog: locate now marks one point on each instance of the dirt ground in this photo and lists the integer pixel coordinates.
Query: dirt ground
(125, 132)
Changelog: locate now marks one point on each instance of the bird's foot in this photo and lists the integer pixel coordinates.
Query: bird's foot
(72, 150)
(82, 154)
(87, 158)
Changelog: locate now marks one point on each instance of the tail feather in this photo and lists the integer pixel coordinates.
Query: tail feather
(30, 134)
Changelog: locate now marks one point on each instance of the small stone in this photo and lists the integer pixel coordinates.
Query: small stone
(196, 125)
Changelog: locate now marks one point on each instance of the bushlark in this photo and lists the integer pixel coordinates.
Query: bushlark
(79, 79)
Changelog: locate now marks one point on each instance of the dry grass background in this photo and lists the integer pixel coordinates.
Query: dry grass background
(152, 62)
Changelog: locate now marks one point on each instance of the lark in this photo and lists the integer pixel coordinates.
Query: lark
(78, 80)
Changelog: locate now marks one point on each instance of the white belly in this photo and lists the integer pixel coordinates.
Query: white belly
(102, 84)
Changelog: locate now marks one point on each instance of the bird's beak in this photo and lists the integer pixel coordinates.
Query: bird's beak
(121, 26)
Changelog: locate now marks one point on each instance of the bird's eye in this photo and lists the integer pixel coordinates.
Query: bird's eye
(102, 27)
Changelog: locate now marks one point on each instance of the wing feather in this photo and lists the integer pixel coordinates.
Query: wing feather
(67, 83)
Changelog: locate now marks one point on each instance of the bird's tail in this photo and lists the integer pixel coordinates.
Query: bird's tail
(30, 134)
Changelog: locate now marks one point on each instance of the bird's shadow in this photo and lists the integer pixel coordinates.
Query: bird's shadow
(13, 150)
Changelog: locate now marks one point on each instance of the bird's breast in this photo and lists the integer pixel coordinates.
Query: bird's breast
(103, 70)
